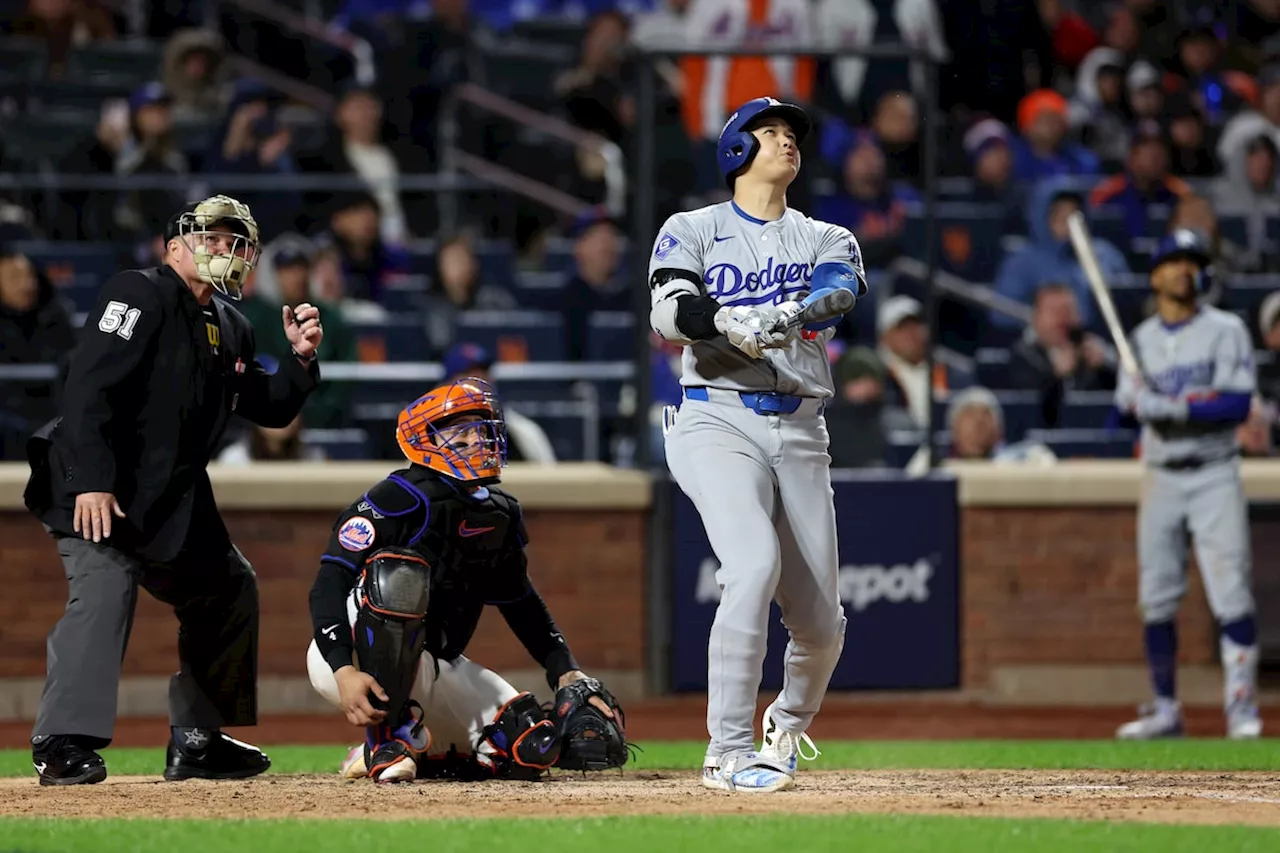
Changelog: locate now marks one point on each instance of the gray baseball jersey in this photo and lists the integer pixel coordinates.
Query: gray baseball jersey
(747, 261)
(1211, 352)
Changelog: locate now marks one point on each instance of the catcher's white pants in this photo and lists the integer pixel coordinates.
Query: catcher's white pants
(457, 704)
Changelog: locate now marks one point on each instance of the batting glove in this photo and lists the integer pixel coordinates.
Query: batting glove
(743, 327)
(774, 336)
(1151, 406)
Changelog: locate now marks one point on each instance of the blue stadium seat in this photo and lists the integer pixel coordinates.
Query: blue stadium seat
(993, 367)
(1021, 413)
(540, 334)
(400, 338)
(1108, 224)
(1086, 443)
(968, 239)
(339, 444)
(68, 262)
(1087, 409)
(1244, 294)
(611, 336)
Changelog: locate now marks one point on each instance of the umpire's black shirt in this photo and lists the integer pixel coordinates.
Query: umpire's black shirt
(151, 384)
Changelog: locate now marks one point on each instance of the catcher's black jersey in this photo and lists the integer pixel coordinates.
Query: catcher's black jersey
(472, 537)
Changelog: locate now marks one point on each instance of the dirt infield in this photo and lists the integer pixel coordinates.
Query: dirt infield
(1199, 798)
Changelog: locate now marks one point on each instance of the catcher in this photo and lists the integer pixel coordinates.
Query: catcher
(409, 568)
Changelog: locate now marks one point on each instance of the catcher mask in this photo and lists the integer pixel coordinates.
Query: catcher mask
(222, 237)
(456, 429)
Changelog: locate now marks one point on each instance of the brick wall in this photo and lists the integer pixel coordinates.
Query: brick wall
(588, 566)
(1040, 586)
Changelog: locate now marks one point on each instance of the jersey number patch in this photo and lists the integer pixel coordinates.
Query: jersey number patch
(119, 318)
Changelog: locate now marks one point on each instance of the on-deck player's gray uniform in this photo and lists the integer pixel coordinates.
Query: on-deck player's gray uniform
(761, 481)
(1193, 479)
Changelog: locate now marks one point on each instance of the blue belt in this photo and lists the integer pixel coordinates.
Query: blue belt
(760, 402)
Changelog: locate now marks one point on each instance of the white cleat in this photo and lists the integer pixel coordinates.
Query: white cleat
(1244, 723)
(784, 747)
(747, 773)
(353, 767)
(1156, 720)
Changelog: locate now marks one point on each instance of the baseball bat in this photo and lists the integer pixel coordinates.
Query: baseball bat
(1083, 246)
(819, 306)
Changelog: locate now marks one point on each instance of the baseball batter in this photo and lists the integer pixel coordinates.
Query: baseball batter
(749, 444)
(1198, 383)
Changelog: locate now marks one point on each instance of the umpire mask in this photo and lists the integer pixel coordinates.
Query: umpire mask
(222, 236)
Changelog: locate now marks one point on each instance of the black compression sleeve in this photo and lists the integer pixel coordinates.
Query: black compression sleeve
(533, 626)
(696, 317)
(329, 614)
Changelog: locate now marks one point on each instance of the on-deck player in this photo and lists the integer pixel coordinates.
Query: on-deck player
(1198, 385)
(749, 445)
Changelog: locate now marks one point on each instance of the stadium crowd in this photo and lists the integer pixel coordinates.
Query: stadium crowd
(1145, 114)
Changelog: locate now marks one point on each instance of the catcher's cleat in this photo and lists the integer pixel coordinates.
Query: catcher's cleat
(354, 766)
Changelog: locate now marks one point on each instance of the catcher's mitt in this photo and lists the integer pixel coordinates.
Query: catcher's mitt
(588, 739)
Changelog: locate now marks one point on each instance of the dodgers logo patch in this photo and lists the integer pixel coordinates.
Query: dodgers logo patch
(666, 245)
(357, 534)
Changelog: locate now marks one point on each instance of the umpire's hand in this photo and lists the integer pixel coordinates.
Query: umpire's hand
(93, 514)
(302, 328)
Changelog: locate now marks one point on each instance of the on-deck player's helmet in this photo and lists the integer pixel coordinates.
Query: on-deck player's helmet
(222, 216)
(737, 146)
(432, 432)
(1186, 243)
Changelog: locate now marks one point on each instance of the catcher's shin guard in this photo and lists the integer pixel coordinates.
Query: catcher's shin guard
(520, 736)
(389, 634)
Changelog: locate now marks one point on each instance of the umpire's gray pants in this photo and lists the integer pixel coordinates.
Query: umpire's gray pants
(216, 602)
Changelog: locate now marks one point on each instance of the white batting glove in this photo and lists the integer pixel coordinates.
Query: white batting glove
(773, 336)
(742, 326)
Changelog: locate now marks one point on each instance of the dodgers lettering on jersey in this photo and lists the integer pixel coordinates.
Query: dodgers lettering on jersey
(742, 260)
(1210, 353)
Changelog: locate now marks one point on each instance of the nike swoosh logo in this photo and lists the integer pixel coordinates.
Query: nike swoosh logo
(330, 628)
(722, 239)
(464, 531)
(41, 766)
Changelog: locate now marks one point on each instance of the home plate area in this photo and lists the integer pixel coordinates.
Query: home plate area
(1155, 797)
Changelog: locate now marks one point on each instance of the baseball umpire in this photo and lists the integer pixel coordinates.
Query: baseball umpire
(119, 481)
(408, 572)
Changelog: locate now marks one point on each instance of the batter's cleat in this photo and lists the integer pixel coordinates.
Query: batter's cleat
(61, 761)
(783, 746)
(354, 766)
(210, 754)
(1159, 719)
(747, 773)
(1244, 722)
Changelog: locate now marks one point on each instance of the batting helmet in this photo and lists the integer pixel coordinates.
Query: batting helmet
(1185, 243)
(737, 147)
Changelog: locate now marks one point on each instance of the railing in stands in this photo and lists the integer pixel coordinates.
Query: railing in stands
(455, 160)
(957, 288)
(360, 51)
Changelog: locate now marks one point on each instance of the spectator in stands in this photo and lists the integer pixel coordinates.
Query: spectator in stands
(596, 283)
(856, 416)
(903, 349)
(869, 205)
(527, 441)
(1146, 93)
(369, 263)
(1248, 125)
(896, 124)
(987, 144)
(1048, 256)
(354, 147)
(975, 420)
(195, 75)
(1056, 355)
(458, 286)
(272, 444)
(1097, 112)
(1190, 154)
(1248, 191)
(34, 329)
(254, 142)
(149, 150)
(1269, 338)
(284, 278)
(1043, 151)
(1218, 92)
(1145, 183)
(90, 215)
(63, 25)
(1255, 434)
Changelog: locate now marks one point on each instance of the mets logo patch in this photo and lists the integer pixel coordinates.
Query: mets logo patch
(357, 534)
(666, 245)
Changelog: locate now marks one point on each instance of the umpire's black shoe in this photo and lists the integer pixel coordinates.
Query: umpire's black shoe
(61, 761)
(214, 756)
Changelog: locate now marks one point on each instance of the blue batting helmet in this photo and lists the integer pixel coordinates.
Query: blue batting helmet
(1185, 243)
(737, 146)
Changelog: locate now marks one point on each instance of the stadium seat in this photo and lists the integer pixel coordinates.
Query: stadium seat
(968, 241)
(1086, 443)
(339, 444)
(69, 263)
(515, 335)
(611, 336)
(993, 367)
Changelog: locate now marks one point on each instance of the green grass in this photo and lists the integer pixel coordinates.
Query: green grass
(887, 833)
(1186, 754)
